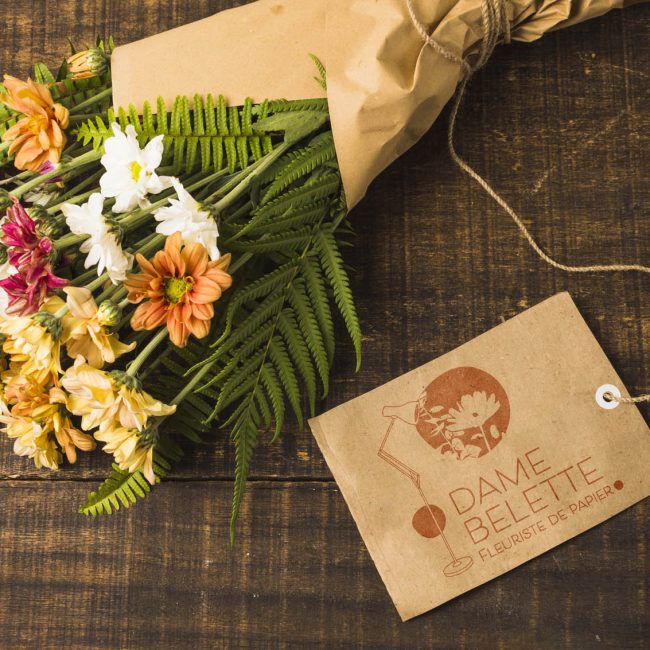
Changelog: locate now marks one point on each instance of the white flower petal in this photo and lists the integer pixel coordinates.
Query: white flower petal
(153, 153)
(86, 219)
(130, 171)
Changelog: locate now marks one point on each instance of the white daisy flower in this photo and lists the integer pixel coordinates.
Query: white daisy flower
(86, 219)
(185, 215)
(107, 254)
(131, 171)
(102, 247)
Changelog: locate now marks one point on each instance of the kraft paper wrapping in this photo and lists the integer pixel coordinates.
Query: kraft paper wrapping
(385, 86)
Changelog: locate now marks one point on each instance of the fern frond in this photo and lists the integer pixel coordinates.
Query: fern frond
(319, 302)
(122, 488)
(299, 352)
(311, 332)
(198, 134)
(244, 435)
(333, 266)
(302, 163)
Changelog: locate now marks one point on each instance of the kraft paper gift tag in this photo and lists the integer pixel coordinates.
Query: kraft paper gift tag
(486, 457)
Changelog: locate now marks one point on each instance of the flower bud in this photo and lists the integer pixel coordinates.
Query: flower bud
(46, 224)
(149, 436)
(122, 378)
(109, 314)
(50, 323)
(86, 64)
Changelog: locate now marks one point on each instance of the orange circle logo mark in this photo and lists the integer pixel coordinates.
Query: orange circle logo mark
(464, 413)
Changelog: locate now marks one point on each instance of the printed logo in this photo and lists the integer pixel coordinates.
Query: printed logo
(464, 413)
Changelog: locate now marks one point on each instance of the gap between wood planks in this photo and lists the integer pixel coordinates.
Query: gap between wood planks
(30, 478)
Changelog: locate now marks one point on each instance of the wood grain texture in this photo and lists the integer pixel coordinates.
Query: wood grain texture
(561, 128)
(300, 577)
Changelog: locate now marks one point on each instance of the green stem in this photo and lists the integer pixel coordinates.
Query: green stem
(152, 245)
(95, 284)
(84, 159)
(81, 280)
(239, 262)
(69, 240)
(79, 198)
(18, 177)
(92, 101)
(114, 292)
(72, 195)
(125, 319)
(135, 219)
(192, 383)
(240, 186)
(136, 364)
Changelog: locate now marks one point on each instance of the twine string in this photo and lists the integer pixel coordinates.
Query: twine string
(496, 27)
(610, 397)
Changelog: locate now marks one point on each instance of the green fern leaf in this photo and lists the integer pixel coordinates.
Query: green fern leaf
(244, 436)
(333, 266)
(299, 353)
(320, 304)
(121, 488)
(280, 358)
(319, 151)
(311, 332)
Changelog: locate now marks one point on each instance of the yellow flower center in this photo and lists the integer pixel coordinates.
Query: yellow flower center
(176, 288)
(136, 170)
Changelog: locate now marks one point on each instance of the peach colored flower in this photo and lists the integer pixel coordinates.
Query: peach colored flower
(130, 447)
(179, 285)
(89, 335)
(38, 137)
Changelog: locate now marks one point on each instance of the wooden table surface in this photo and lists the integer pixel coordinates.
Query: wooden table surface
(562, 128)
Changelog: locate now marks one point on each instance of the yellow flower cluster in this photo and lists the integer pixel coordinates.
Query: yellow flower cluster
(113, 404)
(38, 397)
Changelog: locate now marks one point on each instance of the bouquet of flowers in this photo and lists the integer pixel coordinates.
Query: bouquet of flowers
(176, 261)
(162, 271)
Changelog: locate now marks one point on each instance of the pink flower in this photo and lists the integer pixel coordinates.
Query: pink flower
(25, 244)
(30, 254)
(26, 296)
(46, 168)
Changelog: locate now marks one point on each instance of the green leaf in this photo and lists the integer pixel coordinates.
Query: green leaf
(122, 488)
(333, 266)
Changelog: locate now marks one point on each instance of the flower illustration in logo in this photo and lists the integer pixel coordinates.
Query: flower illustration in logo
(464, 413)
(473, 412)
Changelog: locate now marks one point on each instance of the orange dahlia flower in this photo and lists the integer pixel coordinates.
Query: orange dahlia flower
(38, 137)
(179, 285)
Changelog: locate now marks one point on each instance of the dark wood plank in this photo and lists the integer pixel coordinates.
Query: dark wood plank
(162, 576)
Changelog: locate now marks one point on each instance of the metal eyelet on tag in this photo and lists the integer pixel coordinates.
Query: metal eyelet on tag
(604, 403)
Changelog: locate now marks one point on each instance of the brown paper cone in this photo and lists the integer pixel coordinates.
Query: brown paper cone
(385, 86)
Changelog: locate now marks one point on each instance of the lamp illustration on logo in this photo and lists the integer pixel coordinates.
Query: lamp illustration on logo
(465, 414)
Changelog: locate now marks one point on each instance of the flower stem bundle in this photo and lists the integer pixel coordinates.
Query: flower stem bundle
(162, 272)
